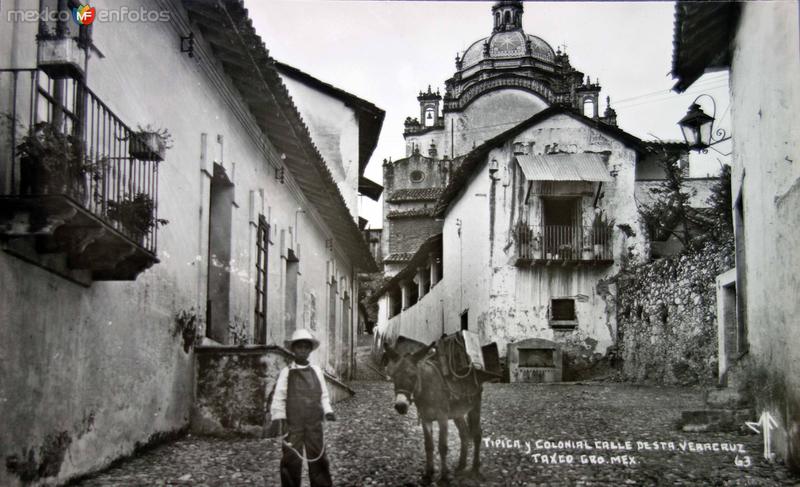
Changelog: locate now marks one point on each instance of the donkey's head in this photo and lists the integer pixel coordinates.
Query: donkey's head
(403, 371)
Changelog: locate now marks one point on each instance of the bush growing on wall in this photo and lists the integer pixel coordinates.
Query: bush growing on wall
(670, 213)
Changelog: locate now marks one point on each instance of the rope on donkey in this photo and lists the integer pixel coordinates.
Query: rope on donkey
(450, 348)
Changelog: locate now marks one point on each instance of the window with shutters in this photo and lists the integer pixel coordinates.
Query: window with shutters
(262, 253)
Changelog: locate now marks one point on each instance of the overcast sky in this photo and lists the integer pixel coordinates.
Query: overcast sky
(387, 51)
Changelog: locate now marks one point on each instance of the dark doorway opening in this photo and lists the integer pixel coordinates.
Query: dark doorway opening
(219, 256)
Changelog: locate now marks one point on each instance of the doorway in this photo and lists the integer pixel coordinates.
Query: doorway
(219, 256)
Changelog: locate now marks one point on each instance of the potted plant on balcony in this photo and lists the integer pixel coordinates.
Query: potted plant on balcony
(601, 232)
(586, 250)
(60, 55)
(149, 144)
(564, 252)
(537, 246)
(52, 162)
(136, 215)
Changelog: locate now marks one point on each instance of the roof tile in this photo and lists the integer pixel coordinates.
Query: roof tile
(415, 194)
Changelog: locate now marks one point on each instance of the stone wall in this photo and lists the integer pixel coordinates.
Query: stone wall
(235, 385)
(407, 234)
(666, 317)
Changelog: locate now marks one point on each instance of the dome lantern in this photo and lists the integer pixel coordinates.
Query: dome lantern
(507, 15)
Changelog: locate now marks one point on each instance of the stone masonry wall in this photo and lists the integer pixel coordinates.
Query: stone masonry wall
(667, 317)
(233, 386)
(407, 234)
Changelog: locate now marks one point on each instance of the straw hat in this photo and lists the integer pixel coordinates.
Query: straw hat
(302, 334)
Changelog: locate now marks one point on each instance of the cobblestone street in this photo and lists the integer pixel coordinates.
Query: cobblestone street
(372, 445)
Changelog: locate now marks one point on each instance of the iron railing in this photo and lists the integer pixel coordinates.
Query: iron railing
(563, 242)
(100, 173)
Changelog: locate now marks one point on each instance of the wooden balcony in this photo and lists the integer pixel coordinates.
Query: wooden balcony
(562, 245)
(68, 182)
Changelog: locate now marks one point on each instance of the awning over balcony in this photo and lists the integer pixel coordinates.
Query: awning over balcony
(564, 167)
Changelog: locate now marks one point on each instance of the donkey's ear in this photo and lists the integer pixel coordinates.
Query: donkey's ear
(420, 354)
(390, 353)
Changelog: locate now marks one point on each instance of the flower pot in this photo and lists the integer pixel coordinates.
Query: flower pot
(36, 180)
(147, 146)
(537, 254)
(61, 57)
(549, 255)
(598, 251)
(587, 254)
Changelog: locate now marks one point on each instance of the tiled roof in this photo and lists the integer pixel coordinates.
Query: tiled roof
(416, 194)
(410, 213)
(369, 188)
(399, 257)
(666, 145)
(701, 39)
(228, 29)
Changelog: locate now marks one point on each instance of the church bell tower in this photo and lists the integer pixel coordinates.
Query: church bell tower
(429, 107)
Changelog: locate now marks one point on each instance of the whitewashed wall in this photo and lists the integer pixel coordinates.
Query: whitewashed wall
(766, 175)
(101, 365)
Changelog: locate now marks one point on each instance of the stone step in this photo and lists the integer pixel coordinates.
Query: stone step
(714, 420)
(726, 398)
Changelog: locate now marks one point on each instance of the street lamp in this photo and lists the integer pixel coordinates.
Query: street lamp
(698, 127)
(493, 167)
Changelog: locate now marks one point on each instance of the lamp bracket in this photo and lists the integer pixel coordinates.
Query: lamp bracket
(719, 134)
(187, 44)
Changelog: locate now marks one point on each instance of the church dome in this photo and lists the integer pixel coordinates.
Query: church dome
(510, 44)
(509, 58)
(541, 50)
(474, 53)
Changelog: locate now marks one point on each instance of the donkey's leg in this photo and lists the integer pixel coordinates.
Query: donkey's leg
(445, 472)
(427, 430)
(463, 436)
(474, 422)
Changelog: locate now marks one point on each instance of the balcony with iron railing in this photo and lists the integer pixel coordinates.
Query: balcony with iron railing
(568, 245)
(78, 187)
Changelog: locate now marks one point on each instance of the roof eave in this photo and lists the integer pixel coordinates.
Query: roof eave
(701, 41)
(240, 51)
(370, 117)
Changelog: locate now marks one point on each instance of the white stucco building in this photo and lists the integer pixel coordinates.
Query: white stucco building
(99, 312)
(759, 346)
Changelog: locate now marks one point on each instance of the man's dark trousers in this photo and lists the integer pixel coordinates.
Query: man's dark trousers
(304, 417)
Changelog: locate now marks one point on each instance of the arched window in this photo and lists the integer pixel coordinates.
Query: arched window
(497, 19)
(430, 117)
(508, 17)
(588, 107)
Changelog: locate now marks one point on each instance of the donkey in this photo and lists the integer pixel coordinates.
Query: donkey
(419, 380)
